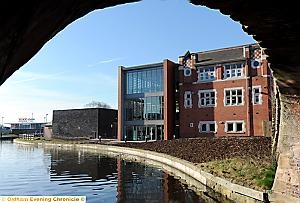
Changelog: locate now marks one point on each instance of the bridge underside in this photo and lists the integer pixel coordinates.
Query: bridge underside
(25, 26)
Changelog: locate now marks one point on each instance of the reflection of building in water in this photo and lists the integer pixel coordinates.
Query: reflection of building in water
(142, 183)
(128, 181)
(77, 162)
(139, 182)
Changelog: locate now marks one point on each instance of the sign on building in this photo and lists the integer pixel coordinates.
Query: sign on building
(26, 120)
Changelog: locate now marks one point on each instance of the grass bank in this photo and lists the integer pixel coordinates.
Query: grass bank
(254, 173)
(53, 141)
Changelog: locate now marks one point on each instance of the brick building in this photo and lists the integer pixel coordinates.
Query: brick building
(27, 126)
(146, 105)
(224, 92)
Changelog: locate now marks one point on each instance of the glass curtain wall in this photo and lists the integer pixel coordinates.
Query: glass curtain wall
(145, 103)
(144, 81)
(140, 132)
(147, 108)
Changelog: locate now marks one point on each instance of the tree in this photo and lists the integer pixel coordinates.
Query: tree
(95, 104)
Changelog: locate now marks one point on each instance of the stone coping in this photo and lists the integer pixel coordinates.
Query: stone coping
(230, 190)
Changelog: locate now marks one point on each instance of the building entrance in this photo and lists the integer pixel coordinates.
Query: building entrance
(141, 133)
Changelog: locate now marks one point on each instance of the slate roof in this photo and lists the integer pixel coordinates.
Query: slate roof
(222, 55)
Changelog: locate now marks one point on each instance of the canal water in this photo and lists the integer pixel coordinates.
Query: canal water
(31, 170)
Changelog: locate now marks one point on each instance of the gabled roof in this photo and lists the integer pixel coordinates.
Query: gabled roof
(218, 56)
(221, 55)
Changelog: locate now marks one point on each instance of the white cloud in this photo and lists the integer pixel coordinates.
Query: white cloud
(105, 61)
(67, 77)
(27, 76)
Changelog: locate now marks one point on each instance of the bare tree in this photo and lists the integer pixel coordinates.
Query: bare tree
(95, 104)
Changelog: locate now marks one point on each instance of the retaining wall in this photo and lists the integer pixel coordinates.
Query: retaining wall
(230, 190)
(286, 185)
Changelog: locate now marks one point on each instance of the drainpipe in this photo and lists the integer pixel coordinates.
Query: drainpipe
(249, 88)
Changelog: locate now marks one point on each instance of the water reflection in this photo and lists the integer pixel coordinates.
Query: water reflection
(134, 182)
(53, 171)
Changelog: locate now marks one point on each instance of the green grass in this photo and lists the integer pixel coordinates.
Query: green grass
(254, 173)
(53, 141)
(266, 178)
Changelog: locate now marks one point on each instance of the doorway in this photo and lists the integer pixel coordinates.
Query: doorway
(143, 132)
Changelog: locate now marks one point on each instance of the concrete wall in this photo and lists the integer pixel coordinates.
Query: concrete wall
(84, 123)
(48, 132)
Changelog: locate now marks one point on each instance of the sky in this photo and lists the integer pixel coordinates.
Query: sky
(80, 64)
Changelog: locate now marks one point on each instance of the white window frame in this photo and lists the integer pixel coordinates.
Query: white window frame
(188, 102)
(208, 73)
(204, 98)
(233, 70)
(185, 69)
(231, 96)
(207, 123)
(235, 122)
(259, 95)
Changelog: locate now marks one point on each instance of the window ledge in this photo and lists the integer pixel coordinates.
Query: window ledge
(203, 81)
(207, 106)
(234, 78)
(234, 105)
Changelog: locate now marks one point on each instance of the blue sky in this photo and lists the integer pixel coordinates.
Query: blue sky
(80, 63)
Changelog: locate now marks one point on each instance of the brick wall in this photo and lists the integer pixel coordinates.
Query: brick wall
(261, 113)
(169, 99)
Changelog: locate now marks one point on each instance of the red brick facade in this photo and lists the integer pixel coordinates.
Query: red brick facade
(225, 92)
(240, 116)
(169, 101)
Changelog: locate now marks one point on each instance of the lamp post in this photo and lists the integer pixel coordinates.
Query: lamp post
(46, 117)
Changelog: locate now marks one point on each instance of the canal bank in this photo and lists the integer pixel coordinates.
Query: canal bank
(184, 169)
(31, 170)
(8, 137)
